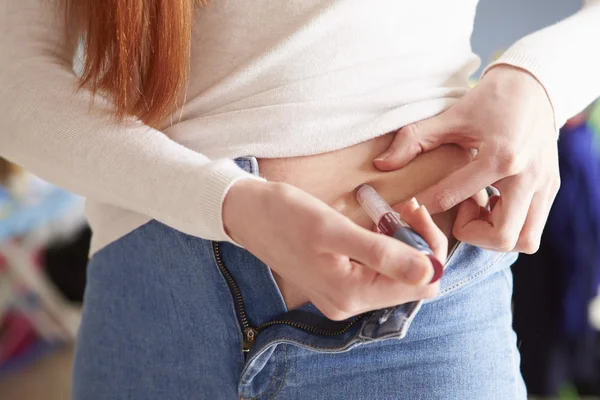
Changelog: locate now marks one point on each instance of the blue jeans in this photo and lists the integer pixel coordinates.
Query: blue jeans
(171, 316)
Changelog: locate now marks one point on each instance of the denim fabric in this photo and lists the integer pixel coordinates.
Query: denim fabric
(166, 316)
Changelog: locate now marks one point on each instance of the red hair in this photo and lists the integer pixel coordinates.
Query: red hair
(136, 52)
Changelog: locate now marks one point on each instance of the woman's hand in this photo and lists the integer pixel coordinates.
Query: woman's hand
(420, 220)
(342, 268)
(509, 120)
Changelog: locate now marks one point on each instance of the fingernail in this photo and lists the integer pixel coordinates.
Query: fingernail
(385, 155)
(438, 269)
(418, 270)
(414, 203)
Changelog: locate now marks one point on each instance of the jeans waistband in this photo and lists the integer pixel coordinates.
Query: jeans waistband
(380, 324)
(248, 164)
(308, 315)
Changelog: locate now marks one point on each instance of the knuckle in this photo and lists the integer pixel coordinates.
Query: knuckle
(333, 313)
(335, 270)
(339, 263)
(430, 291)
(505, 240)
(556, 184)
(411, 130)
(446, 199)
(529, 244)
(336, 315)
(410, 139)
(344, 307)
(508, 161)
(531, 249)
(379, 254)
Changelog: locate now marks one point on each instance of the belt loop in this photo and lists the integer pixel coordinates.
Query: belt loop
(248, 164)
(254, 165)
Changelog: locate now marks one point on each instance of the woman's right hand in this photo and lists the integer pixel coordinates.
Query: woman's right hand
(342, 268)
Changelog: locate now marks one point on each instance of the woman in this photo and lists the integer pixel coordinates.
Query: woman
(230, 258)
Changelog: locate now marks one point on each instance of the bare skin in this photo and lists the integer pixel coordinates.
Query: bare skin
(308, 229)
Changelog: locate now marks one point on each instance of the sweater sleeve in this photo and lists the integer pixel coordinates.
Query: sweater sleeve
(565, 59)
(51, 129)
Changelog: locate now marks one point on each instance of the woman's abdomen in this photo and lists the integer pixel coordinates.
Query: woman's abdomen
(332, 177)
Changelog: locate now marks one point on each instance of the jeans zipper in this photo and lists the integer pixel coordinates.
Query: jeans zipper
(251, 332)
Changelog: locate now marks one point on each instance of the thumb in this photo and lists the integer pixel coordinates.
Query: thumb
(414, 139)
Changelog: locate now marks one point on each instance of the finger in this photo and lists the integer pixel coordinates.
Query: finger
(433, 235)
(507, 218)
(420, 220)
(493, 200)
(529, 239)
(369, 291)
(481, 198)
(414, 139)
(383, 292)
(407, 207)
(469, 211)
(458, 186)
(382, 254)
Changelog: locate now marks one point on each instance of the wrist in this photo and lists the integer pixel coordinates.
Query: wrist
(238, 203)
(512, 76)
(517, 81)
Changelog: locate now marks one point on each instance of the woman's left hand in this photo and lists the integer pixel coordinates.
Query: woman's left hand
(509, 120)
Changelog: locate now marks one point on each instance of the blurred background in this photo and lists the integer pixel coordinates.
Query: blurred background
(44, 242)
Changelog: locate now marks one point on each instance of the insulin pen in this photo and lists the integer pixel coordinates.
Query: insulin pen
(390, 223)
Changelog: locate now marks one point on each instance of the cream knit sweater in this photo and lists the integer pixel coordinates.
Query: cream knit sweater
(268, 79)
